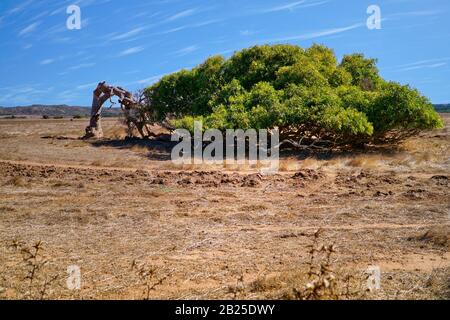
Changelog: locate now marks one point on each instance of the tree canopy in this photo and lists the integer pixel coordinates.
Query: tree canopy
(306, 93)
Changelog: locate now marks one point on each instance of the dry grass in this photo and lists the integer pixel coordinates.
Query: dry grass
(139, 149)
(97, 163)
(363, 161)
(320, 279)
(118, 131)
(215, 233)
(289, 165)
(149, 277)
(37, 282)
(18, 182)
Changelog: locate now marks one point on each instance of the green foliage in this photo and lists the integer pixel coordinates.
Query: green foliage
(305, 93)
(364, 71)
(187, 122)
(260, 63)
(400, 107)
(347, 121)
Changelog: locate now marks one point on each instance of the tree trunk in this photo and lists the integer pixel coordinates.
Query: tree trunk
(102, 93)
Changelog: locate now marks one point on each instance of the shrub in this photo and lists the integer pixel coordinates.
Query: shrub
(305, 93)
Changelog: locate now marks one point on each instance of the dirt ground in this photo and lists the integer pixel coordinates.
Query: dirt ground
(139, 227)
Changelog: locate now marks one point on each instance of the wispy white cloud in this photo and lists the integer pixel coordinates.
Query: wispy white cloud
(87, 3)
(149, 80)
(174, 29)
(56, 29)
(314, 4)
(59, 8)
(182, 14)
(129, 51)
(22, 6)
(67, 96)
(82, 66)
(58, 11)
(287, 6)
(39, 16)
(186, 50)
(47, 61)
(292, 6)
(23, 94)
(86, 86)
(416, 13)
(137, 33)
(152, 79)
(128, 34)
(247, 32)
(30, 28)
(193, 25)
(332, 31)
(423, 64)
(225, 52)
(412, 14)
(317, 34)
(206, 22)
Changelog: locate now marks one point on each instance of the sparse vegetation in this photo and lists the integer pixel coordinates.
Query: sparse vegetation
(321, 276)
(37, 278)
(149, 277)
(219, 233)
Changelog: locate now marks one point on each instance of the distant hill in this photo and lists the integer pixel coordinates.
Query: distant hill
(442, 107)
(66, 111)
(55, 111)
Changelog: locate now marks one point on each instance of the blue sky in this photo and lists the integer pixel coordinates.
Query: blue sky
(133, 43)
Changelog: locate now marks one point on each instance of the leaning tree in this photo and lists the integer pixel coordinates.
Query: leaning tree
(312, 98)
(137, 115)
